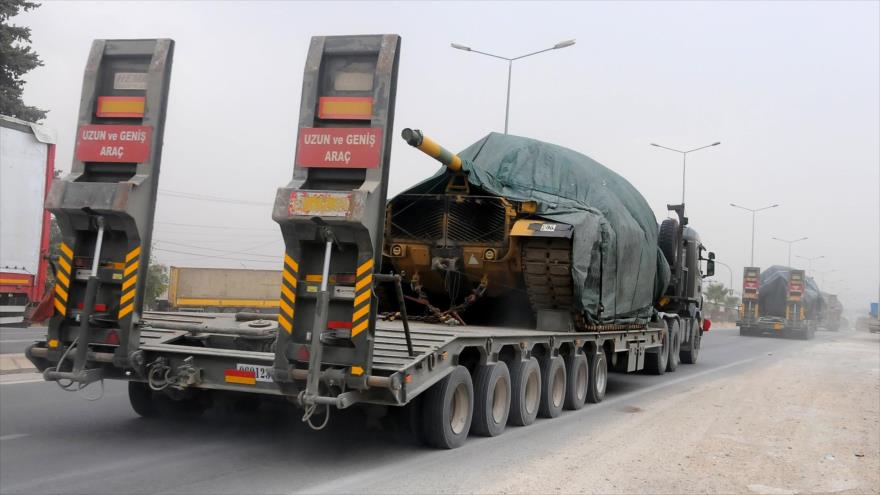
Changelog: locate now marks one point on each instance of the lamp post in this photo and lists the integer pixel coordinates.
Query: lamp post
(789, 242)
(809, 261)
(684, 160)
(557, 46)
(730, 271)
(753, 210)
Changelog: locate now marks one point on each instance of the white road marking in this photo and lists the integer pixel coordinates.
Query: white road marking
(13, 436)
(17, 378)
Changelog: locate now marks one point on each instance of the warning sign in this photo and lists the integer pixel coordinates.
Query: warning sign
(114, 143)
(357, 147)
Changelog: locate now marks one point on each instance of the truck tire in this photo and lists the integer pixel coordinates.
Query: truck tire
(492, 399)
(448, 410)
(598, 377)
(692, 353)
(578, 372)
(525, 398)
(141, 398)
(744, 332)
(667, 239)
(552, 387)
(675, 345)
(655, 362)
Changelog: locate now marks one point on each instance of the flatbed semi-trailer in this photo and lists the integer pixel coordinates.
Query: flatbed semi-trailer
(327, 347)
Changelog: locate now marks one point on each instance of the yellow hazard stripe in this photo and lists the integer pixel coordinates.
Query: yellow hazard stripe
(361, 298)
(294, 266)
(128, 283)
(64, 265)
(285, 324)
(66, 250)
(360, 313)
(360, 327)
(63, 279)
(290, 278)
(60, 307)
(134, 253)
(286, 308)
(126, 297)
(125, 311)
(288, 294)
(61, 292)
(364, 267)
(363, 282)
(132, 267)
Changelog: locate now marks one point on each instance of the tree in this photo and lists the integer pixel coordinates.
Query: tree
(16, 60)
(157, 282)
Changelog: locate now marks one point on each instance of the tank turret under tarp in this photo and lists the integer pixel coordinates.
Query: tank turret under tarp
(773, 294)
(614, 269)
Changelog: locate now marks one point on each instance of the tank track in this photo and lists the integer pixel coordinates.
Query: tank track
(546, 264)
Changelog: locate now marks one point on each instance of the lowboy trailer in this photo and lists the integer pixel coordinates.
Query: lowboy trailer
(327, 348)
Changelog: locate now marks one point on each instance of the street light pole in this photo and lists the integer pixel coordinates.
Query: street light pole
(684, 155)
(809, 261)
(510, 60)
(790, 242)
(753, 210)
(730, 271)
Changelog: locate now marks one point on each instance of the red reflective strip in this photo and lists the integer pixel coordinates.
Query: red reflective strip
(240, 373)
(332, 324)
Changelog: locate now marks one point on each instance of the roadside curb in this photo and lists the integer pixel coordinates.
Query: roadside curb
(15, 363)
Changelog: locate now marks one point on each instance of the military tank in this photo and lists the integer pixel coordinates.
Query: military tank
(516, 226)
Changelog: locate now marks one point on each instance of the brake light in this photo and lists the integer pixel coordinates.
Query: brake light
(707, 324)
(302, 354)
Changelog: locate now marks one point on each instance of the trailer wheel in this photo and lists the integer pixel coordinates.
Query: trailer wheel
(525, 381)
(692, 353)
(655, 362)
(552, 387)
(141, 398)
(492, 404)
(578, 371)
(675, 345)
(448, 410)
(598, 377)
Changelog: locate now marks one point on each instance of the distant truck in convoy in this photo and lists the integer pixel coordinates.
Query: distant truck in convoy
(27, 164)
(785, 303)
(328, 348)
(223, 290)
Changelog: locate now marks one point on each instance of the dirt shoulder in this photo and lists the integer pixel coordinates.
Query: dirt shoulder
(808, 423)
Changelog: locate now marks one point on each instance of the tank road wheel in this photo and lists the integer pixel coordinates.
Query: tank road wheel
(690, 355)
(578, 371)
(141, 398)
(525, 384)
(448, 410)
(667, 239)
(552, 387)
(598, 377)
(674, 345)
(655, 362)
(492, 406)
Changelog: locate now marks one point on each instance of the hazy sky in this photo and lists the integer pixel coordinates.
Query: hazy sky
(791, 89)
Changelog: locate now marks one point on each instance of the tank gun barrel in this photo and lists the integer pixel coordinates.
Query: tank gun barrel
(428, 146)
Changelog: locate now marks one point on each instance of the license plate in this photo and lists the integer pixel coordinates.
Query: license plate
(261, 373)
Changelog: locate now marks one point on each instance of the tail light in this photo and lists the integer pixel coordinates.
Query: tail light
(302, 354)
(112, 338)
(707, 324)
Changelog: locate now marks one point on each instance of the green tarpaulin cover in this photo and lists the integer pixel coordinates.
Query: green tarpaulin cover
(618, 270)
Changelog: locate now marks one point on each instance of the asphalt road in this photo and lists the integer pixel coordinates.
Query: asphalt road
(14, 340)
(53, 441)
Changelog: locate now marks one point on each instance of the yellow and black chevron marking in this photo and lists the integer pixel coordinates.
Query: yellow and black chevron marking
(129, 282)
(287, 301)
(62, 277)
(363, 288)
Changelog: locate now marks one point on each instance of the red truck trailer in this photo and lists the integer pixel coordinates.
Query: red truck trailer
(27, 157)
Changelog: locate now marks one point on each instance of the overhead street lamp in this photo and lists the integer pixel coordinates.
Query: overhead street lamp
(725, 265)
(809, 261)
(557, 46)
(755, 210)
(789, 242)
(684, 160)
